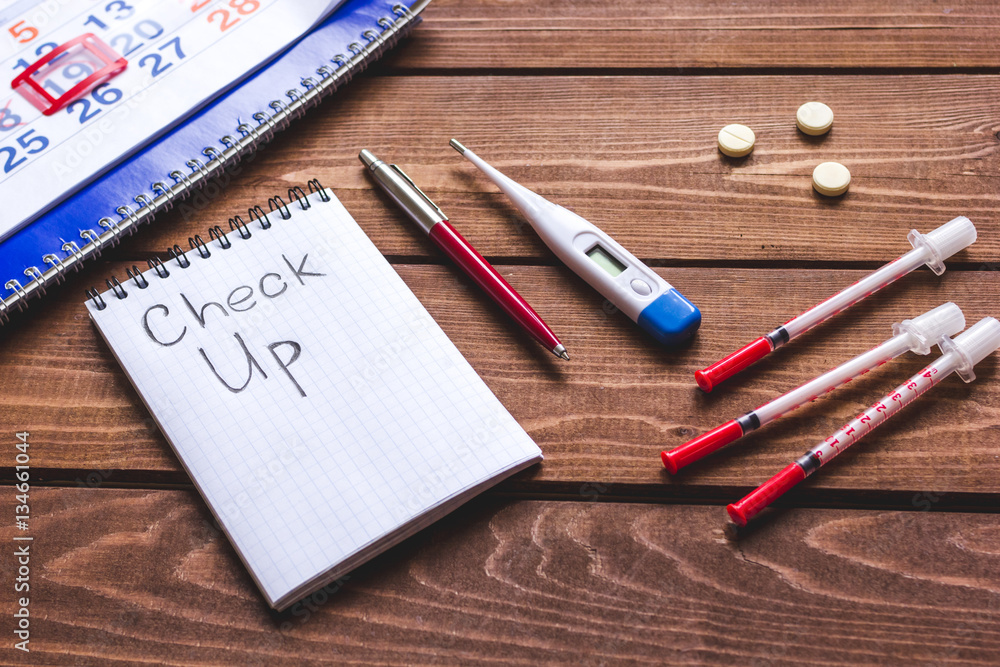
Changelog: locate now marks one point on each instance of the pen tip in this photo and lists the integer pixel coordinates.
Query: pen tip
(560, 352)
(454, 143)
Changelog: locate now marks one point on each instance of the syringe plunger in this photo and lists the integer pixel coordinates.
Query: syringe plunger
(943, 242)
(971, 347)
(945, 320)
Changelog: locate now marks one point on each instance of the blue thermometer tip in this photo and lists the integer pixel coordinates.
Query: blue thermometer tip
(671, 318)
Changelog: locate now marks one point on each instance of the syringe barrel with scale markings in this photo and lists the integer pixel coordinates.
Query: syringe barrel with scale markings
(930, 249)
(917, 335)
(959, 356)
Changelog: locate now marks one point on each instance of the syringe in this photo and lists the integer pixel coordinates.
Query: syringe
(959, 356)
(930, 249)
(918, 335)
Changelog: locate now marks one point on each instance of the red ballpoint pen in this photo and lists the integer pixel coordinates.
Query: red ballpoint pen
(429, 217)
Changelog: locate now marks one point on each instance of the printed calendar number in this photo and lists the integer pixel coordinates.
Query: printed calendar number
(118, 10)
(243, 7)
(8, 119)
(27, 143)
(102, 95)
(30, 145)
(156, 62)
(72, 72)
(40, 51)
(122, 10)
(146, 29)
(224, 22)
(23, 34)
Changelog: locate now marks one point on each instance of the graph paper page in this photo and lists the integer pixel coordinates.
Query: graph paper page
(312, 399)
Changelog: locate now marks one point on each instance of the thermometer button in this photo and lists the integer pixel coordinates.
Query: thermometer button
(641, 287)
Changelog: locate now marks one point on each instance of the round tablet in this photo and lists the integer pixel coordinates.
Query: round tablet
(736, 140)
(831, 179)
(814, 118)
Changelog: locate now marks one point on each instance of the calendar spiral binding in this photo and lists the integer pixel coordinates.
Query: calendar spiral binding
(282, 113)
(218, 238)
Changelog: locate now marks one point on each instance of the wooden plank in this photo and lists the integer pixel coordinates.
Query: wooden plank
(794, 34)
(603, 417)
(638, 157)
(528, 583)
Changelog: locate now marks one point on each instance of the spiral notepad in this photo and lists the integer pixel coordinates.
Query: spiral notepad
(47, 251)
(319, 409)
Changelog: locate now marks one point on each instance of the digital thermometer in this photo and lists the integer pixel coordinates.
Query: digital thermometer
(630, 285)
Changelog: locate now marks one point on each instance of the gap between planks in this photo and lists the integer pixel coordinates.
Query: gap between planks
(516, 489)
(386, 70)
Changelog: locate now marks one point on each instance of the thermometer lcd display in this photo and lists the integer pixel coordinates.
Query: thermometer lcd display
(604, 260)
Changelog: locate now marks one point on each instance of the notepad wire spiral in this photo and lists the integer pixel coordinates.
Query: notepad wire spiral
(311, 92)
(217, 235)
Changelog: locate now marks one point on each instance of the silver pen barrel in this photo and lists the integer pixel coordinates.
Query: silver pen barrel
(403, 191)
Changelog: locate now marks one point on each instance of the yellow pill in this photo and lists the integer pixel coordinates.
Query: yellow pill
(736, 140)
(831, 179)
(814, 118)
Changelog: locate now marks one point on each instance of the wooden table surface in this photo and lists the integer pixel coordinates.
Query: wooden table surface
(889, 556)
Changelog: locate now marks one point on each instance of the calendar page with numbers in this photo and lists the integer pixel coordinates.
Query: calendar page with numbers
(180, 53)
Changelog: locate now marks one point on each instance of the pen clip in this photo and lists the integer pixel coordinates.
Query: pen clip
(421, 192)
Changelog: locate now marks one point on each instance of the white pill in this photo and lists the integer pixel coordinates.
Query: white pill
(814, 118)
(831, 179)
(736, 140)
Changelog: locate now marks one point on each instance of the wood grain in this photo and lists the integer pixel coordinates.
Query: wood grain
(644, 34)
(149, 579)
(140, 576)
(604, 417)
(638, 157)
